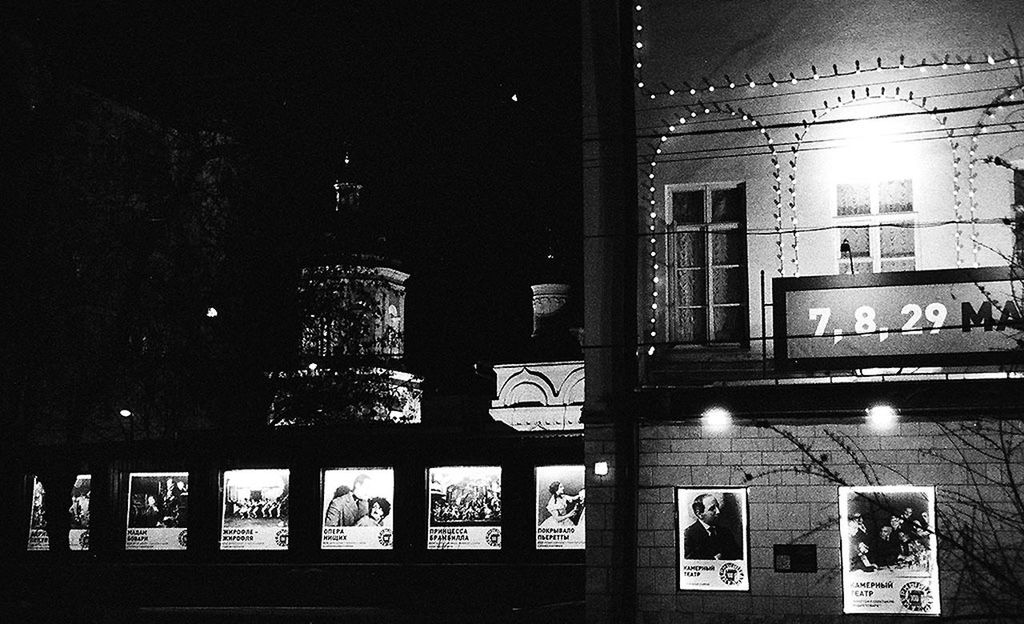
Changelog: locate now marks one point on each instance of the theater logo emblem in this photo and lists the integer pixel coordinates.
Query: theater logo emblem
(494, 538)
(281, 538)
(731, 574)
(916, 596)
(83, 540)
(384, 537)
(183, 538)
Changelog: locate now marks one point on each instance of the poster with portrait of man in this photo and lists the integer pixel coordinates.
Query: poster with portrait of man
(157, 511)
(889, 550)
(560, 499)
(357, 510)
(464, 508)
(712, 538)
(254, 507)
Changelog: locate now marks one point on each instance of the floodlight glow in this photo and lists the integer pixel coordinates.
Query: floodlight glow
(881, 416)
(125, 413)
(601, 468)
(716, 419)
(312, 366)
(211, 312)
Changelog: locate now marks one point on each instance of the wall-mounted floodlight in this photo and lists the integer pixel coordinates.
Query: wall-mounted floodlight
(601, 468)
(125, 413)
(881, 416)
(211, 312)
(716, 419)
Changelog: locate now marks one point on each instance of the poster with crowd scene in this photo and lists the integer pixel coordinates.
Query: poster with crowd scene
(157, 511)
(357, 509)
(712, 538)
(464, 508)
(889, 550)
(78, 511)
(255, 510)
(561, 521)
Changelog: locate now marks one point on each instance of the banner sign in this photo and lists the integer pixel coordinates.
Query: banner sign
(464, 508)
(888, 548)
(560, 507)
(255, 510)
(157, 511)
(899, 319)
(357, 509)
(711, 538)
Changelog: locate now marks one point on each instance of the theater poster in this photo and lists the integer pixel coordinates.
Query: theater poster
(78, 511)
(38, 538)
(889, 550)
(255, 510)
(357, 509)
(560, 498)
(712, 538)
(464, 508)
(157, 511)
(81, 495)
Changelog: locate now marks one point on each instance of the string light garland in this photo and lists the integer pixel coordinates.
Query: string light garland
(879, 95)
(710, 85)
(981, 127)
(650, 196)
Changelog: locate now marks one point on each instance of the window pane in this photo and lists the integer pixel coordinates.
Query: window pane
(689, 248)
(903, 264)
(691, 287)
(727, 247)
(727, 285)
(859, 238)
(895, 196)
(691, 325)
(897, 240)
(853, 199)
(862, 265)
(727, 205)
(688, 207)
(730, 324)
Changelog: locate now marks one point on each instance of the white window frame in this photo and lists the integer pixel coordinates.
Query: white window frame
(707, 226)
(875, 220)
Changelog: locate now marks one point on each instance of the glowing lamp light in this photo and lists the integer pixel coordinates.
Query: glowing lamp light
(125, 413)
(881, 416)
(312, 366)
(601, 468)
(211, 312)
(716, 419)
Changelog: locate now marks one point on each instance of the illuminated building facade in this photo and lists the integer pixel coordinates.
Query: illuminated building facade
(778, 149)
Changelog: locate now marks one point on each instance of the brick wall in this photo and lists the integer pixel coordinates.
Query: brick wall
(787, 506)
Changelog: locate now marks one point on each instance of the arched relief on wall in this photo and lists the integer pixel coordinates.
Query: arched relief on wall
(871, 95)
(995, 110)
(571, 391)
(527, 386)
(652, 319)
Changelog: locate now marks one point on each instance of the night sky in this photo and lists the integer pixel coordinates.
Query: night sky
(467, 182)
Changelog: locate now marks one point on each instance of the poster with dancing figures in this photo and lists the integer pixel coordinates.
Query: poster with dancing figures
(157, 511)
(712, 538)
(255, 510)
(357, 509)
(464, 508)
(889, 550)
(560, 499)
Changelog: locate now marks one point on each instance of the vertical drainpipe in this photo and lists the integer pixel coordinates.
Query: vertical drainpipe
(610, 265)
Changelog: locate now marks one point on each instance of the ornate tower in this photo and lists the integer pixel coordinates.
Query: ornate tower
(352, 298)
